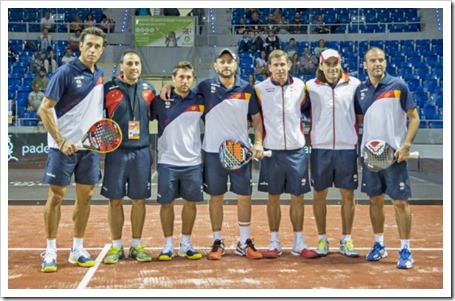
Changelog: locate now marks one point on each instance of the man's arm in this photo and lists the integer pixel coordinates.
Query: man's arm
(402, 153)
(258, 150)
(47, 117)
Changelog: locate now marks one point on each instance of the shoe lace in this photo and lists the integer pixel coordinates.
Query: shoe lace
(349, 245)
(322, 244)
(139, 248)
(82, 252)
(48, 255)
(274, 245)
(249, 243)
(404, 254)
(216, 245)
(114, 251)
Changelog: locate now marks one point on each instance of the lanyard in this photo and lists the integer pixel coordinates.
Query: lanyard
(132, 107)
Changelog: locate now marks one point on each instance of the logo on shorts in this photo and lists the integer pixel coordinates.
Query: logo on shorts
(264, 183)
(402, 186)
(50, 174)
(355, 178)
(303, 182)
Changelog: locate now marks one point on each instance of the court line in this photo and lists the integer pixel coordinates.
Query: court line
(93, 269)
(205, 248)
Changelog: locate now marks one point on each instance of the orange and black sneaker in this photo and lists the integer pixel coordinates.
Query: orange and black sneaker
(247, 249)
(217, 250)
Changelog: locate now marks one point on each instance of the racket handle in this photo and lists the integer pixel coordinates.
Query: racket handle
(414, 155)
(267, 153)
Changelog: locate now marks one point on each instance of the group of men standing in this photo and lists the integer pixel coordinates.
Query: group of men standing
(336, 102)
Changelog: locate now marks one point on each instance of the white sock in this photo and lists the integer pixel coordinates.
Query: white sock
(298, 236)
(323, 237)
(244, 231)
(217, 235)
(345, 238)
(186, 239)
(406, 243)
(379, 238)
(117, 243)
(275, 236)
(135, 242)
(51, 244)
(169, 241)
(78, 243)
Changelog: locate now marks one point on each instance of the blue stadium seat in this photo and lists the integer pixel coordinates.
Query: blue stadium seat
(377, 43)
(421, 71)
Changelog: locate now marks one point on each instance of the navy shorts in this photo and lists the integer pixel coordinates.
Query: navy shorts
(393, 181)
(179, 181)
(60, 167)
(286, 171)
(127, 172)
(216, 177)
(334, 167)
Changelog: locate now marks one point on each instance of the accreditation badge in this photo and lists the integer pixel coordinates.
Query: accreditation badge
(134, 129)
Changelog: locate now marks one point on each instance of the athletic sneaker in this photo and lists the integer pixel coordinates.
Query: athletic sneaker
(187, 250)
(49, 263)
(167, 253)
(139, 253)
(347, 248)
(301, 249)
(247, 249)
(274, 250)
(217, 250)
(114, 255)
(377, 252)
(323, 247)
(81, 257)
(405, 261)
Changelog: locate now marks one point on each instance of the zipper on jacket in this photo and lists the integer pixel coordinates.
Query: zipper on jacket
(284, 117)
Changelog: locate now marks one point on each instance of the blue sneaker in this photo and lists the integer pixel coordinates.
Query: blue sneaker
(81, 257)
(405, 261)
(377, 252)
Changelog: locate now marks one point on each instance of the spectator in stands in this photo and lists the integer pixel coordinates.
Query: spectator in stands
(170, 12)
(252, 79)
(319, 25)
(12, 56)
(271, 22)
(106, 24)
(38, 62)
(308, 62)
(257, 43)
(282, 25)
(73, 41)
(143, 12)
(29, 45)
(320, 47)
(240, 27)
(261, 63)
(76, 24)
(45, 40)
(50, 63)
(295, 64)
(200, 14)
(277, 14)
(255, 22)
(291, 48)
(41, 80)
(47, 22)
(249, 12)
(68, 57)
(244, 43)
(35, 98)
(296, 25)
(89, 20)
(272, 42)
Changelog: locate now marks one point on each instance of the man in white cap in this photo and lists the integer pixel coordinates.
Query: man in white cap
(228, 101)
(281, 98)
(329, 100)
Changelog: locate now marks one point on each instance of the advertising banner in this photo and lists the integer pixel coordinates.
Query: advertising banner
(164, 31)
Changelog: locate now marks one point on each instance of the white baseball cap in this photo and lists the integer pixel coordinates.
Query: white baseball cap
(227, 50)
(328, 53)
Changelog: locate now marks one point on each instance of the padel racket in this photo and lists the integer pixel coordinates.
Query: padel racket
(234, 154)
(379, 155)
(104, 136)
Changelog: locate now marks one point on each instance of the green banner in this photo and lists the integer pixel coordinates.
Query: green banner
(164, 31)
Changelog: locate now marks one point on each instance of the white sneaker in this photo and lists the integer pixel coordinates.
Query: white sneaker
(187, 250)
(81, 257)
(49, 263)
